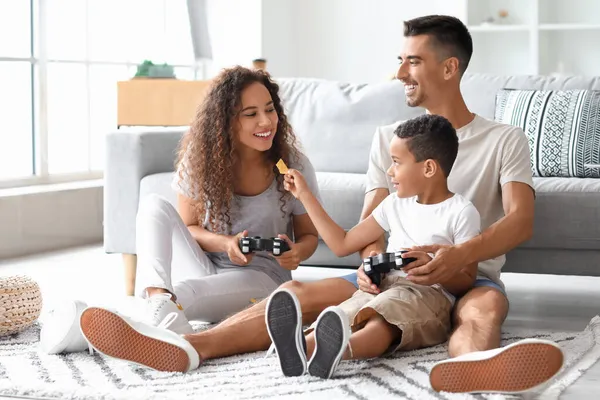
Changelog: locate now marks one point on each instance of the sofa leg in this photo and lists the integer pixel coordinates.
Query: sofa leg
(130, 263)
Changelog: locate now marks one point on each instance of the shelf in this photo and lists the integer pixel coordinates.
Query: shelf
(499, 28)
(569, 27)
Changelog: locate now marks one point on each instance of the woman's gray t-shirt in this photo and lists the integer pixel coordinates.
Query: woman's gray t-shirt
(261, 215)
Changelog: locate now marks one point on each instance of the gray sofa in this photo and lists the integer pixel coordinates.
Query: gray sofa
(335, 123)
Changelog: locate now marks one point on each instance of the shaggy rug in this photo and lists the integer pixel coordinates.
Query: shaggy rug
(24, 371)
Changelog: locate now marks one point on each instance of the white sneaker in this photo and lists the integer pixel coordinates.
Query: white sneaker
(332, 334)
(520, 367)
(121, 337)
(283, 318)
(158, 307)
(60, 332)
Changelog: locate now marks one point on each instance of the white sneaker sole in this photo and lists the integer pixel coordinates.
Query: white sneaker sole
(283, 317)
(112, 335)
(520, 367)
(332, 333)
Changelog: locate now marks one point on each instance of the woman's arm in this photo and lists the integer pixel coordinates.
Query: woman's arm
(306, 236)
(211, 242)
(305, 245)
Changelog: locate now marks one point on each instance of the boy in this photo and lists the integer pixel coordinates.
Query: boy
(404, 315)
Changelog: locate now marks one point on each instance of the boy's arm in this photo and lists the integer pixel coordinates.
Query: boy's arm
(336, 238)
(372, 200)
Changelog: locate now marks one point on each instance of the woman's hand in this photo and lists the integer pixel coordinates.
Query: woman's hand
(235, 253)
(295, 183)
(290, 259)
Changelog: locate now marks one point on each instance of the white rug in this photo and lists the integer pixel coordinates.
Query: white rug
(24, 371)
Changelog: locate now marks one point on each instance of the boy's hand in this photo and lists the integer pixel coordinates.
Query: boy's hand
(295, 183)
(235, 253)
(364, 283)
(290, 259)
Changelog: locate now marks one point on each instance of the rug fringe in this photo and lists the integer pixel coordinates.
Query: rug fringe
(575, 371)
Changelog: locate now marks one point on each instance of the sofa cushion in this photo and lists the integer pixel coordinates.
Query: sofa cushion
(479, 90)
(563, 128)
(343, 195)
(567, 214)
(335, 122)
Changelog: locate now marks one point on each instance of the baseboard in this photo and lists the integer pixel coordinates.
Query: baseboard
(53, 219)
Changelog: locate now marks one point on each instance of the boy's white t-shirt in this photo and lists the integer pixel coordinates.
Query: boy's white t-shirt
(410, 223)
(490, 154)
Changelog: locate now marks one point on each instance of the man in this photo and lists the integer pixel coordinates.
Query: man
(492, 170)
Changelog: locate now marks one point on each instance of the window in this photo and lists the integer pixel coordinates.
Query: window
(59, 74)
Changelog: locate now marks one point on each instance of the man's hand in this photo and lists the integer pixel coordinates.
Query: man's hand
(295, 183)
(235, 253)
(421, 257)
(364, 283)
(290, 259)
(448, 261)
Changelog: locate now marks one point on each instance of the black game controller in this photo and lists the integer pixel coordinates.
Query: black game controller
(383, 263)
(276, 246)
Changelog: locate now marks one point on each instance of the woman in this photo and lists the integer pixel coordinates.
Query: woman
(190, 265)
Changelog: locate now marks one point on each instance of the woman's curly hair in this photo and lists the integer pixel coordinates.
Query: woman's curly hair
(207, 150)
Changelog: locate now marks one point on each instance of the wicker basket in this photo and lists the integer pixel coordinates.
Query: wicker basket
(20, 303)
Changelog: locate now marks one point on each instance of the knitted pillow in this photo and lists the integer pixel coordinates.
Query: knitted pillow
(563, 128)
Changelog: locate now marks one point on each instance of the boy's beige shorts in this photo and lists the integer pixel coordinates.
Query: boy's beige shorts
(422, 313)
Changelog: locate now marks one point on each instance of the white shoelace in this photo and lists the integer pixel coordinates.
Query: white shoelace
(167, 321)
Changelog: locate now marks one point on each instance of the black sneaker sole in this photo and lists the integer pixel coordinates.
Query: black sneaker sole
(284, 324)
(331, 340)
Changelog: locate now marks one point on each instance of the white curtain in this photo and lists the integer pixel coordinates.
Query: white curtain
(197, 12)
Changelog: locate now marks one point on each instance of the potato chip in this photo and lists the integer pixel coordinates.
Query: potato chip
(283, 169)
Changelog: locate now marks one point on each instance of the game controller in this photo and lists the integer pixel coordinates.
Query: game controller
(276, 246)
(383, 263)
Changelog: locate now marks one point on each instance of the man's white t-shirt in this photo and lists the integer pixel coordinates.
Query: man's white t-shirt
(490, 154)
(410, 223)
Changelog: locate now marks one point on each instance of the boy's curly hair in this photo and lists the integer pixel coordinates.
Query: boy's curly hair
(431, 137)
(207, 150)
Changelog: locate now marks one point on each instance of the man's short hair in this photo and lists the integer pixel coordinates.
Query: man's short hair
(448, 34)
(430, 137)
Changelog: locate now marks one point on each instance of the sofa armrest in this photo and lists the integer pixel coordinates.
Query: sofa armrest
(130, 156)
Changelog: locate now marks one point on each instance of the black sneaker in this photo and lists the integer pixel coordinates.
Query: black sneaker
(332, 333)
(284, 324)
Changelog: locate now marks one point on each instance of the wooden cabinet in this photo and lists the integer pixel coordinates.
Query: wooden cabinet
(158, 102)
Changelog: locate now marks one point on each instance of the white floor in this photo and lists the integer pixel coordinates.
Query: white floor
(537, 301)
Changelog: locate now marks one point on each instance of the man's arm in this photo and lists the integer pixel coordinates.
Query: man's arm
(460, 283)
(510, 231)
(507, 233)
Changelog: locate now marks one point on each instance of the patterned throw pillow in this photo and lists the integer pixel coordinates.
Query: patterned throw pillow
(563, 128)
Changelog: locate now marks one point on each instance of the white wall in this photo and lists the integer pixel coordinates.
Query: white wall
(235, 29)
(347, 40)
(52, 217)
